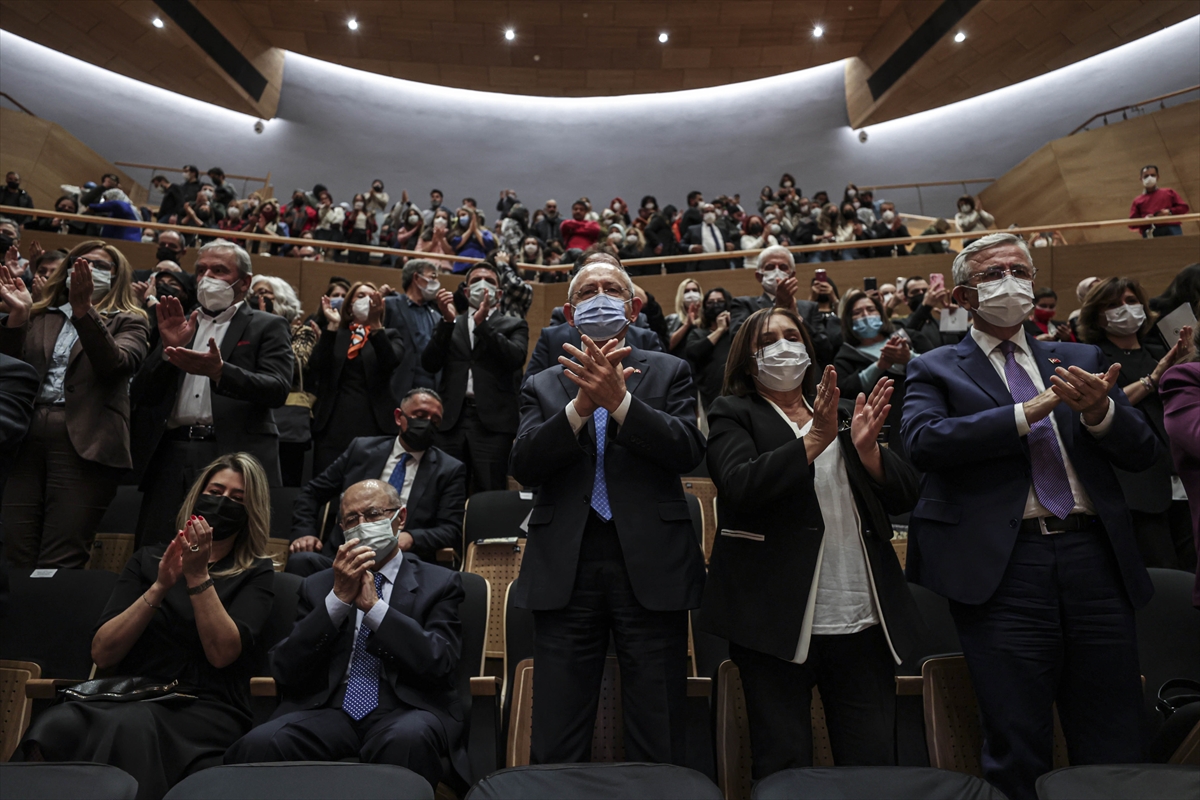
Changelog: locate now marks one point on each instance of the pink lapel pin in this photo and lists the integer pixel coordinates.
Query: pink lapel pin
(1055, 361)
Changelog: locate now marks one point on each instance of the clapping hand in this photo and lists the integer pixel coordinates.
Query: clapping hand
(482, 312)
(1085, 392)
(375, 311)
(193, 362)
(598, 373)
(80, 293)
(785, 293)
(1179, 351)
(12, 261)
(197, 538)
(332, 316)
(14, 295)
(170, 566)
(351, 561)
(869, 415)
(445, 304)
(175, 327)
(825, 422)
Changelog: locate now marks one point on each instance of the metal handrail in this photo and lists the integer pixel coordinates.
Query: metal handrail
(1124, 109)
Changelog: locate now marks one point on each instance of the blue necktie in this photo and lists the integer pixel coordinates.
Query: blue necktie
(599, 486)
(362, 687)
(397, 476)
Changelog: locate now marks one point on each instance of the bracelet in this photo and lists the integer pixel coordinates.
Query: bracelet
(201, 588)
(147, 602)
(1149, 383)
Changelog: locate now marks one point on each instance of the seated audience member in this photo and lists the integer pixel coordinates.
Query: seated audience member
(688, 311)
(516, 296)
(10, 247)
(301, 216)
(435, 205)
(352, 368)
(828, 299)
(1018, 439)
(707, 346)
(939, 228)
(184, 614)
(924, 324)
(66, 204)
(1041, 324)
(294, 419)
(115, 204)
(44, 265)
(873, 349)
(703, 237)
(889, 226)
(171, 247)
(13, 195)
(632, 246)
(368, 671)
(1114, 318)
(414, 314)
(408, 462)
(336, 292)
(801, 582)
(579, 232)
(406, 233)
(436, 238)
(1155, 202)
(470, 238)
(971, 217)
(1180, 392)
(209, 386)
(777, 274)
(548, 226)
(267, 221)
(849, 228)
(820, 229)
(358, 227)
(85, 336)
(1047, 239)
(756, 236)
(479, 354)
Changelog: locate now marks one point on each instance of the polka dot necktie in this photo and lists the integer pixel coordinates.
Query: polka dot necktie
(599, 485)
(1050, 482)
(362, 687)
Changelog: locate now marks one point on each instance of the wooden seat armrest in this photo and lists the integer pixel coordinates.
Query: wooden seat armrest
(47, 688)
(909, 685)
(486, 686)
(263, 687)
(446, 555)
(699, 687)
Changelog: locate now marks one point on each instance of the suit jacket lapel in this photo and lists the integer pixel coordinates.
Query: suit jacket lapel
(979, 369)
(403, 593)
(233, 334)
(462, 334)
(50, 330)
(421, 481)
(375, 459)
(636, 359)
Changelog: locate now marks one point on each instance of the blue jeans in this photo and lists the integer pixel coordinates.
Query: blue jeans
(1162, 230)
(819, 256)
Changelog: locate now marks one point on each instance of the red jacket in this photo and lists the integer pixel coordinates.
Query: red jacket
(1147, 204)
(579, 233)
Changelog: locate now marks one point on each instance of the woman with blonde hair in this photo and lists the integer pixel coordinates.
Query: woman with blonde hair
(688, 314)
(178, 630)
(86, 336)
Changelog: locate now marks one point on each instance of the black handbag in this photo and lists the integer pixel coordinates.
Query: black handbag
(123, 690)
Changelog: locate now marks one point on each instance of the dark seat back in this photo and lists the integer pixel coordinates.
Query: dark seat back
(473, 612)
(1121, 781)
(122, 513)
(884, 783)
(283, 500)
(304, 780)
(632, 781)
(518, 641)
(693, 503)
(51, 781)
(939, 637)
(280, 621)
(1168, 632)
(50, 620)
(496, 515)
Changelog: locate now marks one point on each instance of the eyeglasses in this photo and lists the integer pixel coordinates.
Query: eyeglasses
(588, 292)
(352, 519)
(1018, 271)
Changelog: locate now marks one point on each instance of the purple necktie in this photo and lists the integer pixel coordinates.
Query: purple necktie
(1050, 482)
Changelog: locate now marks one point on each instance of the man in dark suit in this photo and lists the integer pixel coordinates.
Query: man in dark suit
(705, 237)
(614, 427)
(480, 355)
(368, 670)
(776, 272)
(415, 315)
(209, 386)
(550, 344)
(1022, 525)
(431, 483)
(18, 387)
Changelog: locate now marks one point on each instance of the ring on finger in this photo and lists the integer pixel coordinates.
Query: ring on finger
(195, 548)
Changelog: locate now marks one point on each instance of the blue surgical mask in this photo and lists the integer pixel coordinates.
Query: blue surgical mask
(868, 327)
(336, 303)
(601, 317)
(464, 221)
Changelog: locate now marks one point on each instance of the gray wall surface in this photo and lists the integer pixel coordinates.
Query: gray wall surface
(343, 127)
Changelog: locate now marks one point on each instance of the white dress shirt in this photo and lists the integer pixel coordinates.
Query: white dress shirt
(338, 611)
(193, 405)
(410, 469)
(711, 239)
(990, 345)
(471, 338)
(51, 391)
(618, 415)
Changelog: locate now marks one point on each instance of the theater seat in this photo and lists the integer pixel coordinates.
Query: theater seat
(67, 603)
(303, 780)
(632, 781)
(15, 707)
(77, 780)
(705, 491)
(1121, 782)
(499, 561)
(878, 783)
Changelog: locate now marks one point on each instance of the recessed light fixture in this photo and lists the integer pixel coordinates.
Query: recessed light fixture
(156, 22)
(662, 37)
(960, 37)
(352, 24)
(818, 32)
(509, 35)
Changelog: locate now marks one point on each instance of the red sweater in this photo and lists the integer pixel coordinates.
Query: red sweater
(579, 233)
(1147, 204)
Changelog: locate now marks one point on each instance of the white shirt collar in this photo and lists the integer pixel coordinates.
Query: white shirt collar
(399, 447)
(987, 343)
(223, 317)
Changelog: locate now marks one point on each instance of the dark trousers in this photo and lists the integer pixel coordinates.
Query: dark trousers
(1165, 539)
(54, 499)
(484, 452)
(570, 646)
(1059, 629)
(856, 675)
(172, 470)
(406, 737)
(306, 563)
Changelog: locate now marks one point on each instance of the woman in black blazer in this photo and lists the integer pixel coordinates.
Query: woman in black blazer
(352, 365)
(803, 581)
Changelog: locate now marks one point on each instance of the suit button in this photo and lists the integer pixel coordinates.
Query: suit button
(1012, 523)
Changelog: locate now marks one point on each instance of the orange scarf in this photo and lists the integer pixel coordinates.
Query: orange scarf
(358, 338)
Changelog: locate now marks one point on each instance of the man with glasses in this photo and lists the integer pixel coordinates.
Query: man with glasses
(432, 485)
(1022, 525)
(606, 434)
(776, 272)
(368, 670)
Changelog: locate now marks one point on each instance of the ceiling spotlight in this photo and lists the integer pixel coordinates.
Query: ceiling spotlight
(662, 37)
(352, 24)
(156, 22)
(818, 32)
(510, 34)
(960, 37)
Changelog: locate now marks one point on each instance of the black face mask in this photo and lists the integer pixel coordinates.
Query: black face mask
(226, 516)
(420, 433)
(824, 298)
(711, 312)
(916, 299)
(268, 305)
(164, 253)
(14, 185)
(5, 243)
(167, 290)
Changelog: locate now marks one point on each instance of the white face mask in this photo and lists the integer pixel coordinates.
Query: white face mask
(852, 193)
(413, 219)
(888, 216)
(1006, 302)
(774, 229)
(214, 294)
(964, 209)
(781, 365)
(430, 288)
(480, 290)
(771, 280)
(361, 309)
(1039, 242)
(531, 249)
(101, 280)
(377, 535)
(1125, 319)
(887, 298)
(815, 213)
(1150, 181)
(631, 240)
(710, 218)
(691, 297)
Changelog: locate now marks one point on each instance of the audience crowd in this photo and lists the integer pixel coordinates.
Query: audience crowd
(1015, 441)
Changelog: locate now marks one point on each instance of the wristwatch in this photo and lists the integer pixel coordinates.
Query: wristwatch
(195, 590)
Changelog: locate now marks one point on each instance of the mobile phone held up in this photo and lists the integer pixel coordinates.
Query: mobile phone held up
(937, 282)
(820, 275)
(870, 284)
